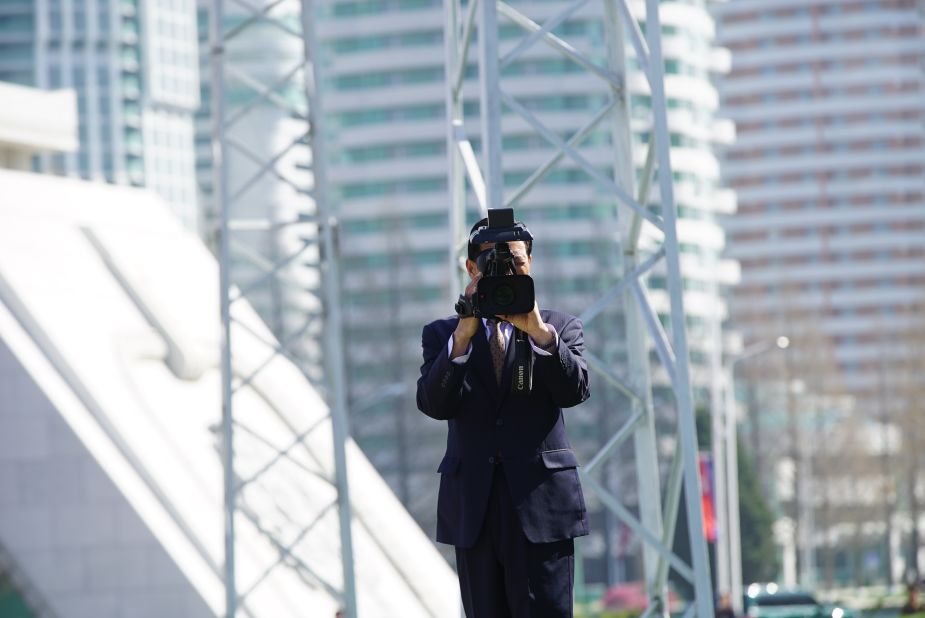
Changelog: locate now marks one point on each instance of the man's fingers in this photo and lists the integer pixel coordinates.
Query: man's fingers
(470, 289)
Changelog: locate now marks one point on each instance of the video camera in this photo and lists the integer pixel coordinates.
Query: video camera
(500, 290)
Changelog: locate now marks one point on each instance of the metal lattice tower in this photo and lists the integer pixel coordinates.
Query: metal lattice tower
(302, 238)
(655, 525)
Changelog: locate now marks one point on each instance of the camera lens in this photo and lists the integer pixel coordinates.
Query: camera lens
(502, 295)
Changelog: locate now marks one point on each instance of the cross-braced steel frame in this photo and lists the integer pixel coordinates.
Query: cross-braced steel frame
(655, 523)
(228, 194)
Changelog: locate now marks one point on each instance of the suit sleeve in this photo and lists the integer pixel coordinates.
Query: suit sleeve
(440, 384)
(565, 371)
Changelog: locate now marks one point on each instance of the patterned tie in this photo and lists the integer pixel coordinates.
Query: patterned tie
(496, 347)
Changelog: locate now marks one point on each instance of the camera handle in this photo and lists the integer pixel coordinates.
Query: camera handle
(522, 372)
(464, 307)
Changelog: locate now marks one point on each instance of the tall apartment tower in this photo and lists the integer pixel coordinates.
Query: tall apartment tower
(134, 67)
(828, 167)
(384, 112)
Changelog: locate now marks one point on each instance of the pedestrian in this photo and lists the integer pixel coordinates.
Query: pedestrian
(724, 606)
(510, 499)
(912, 605)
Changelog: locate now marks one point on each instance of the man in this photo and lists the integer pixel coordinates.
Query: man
(510, 499)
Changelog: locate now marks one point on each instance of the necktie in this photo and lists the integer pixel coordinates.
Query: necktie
(496, 347)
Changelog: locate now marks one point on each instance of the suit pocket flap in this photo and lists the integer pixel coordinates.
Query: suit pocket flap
(559, 458)
(449, 464)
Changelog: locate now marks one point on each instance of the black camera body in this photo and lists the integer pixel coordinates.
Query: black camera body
(500, 291)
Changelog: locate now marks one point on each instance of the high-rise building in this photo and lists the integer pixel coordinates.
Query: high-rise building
(385, 108)
(828, 168)
(827, 165)
(134, 67)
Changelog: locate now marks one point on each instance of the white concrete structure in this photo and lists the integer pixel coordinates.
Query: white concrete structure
(35, 121)
(110, 475)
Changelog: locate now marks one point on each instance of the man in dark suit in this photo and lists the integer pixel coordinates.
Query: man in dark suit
(510, 499)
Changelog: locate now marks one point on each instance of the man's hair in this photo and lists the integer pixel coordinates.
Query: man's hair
(474, 250)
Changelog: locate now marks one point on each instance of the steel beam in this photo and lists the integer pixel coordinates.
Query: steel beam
(321, 231)
(687, 430)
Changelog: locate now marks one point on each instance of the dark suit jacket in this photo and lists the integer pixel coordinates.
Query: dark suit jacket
(528, 431)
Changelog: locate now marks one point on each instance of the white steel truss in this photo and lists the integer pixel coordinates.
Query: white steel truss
(655, 523)
(317, 245)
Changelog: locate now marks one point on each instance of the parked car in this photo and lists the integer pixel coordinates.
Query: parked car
(773, 601)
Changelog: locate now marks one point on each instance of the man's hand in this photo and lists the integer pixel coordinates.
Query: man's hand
(532, 324)
(467, 327)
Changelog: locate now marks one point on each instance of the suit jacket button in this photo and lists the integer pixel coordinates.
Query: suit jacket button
(499, 422)
(491, 460)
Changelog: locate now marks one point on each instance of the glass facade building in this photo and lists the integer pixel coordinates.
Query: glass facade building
(134, 66)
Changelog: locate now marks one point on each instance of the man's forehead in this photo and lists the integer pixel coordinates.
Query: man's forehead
(518, 247)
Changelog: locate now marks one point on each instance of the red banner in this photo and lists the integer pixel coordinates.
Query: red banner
(707, 500)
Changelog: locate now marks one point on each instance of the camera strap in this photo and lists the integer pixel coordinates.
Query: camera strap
(522, 372)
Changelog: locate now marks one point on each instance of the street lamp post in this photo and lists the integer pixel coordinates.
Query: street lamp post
(731, 481)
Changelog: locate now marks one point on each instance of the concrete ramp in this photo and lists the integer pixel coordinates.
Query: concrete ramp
(110, 475)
